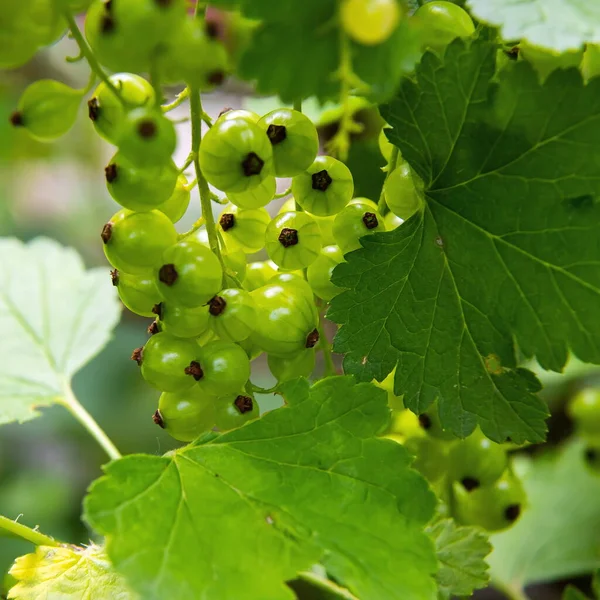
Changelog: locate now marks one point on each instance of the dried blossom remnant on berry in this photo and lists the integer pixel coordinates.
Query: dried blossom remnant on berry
(158, 419)
(157, 309)
(288, 237)
(114, 277)
(195, 370)
(312, 339)
(321, 180)
(470, 483)
(168, 274)
(106, 233)
(93, 109)
(424, 421)
(276, 133)
(252, 164)
(16, 119)
(107, 25)
(369, 220)
(512, 512)
(153, 328)
(244, 404)
(227, 221)
(216, 306)
(147, 128)
(110, 172)
(216, 77)
(137, 355)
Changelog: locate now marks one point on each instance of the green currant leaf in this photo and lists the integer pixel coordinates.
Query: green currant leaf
(461, 552)
(596, 583)
(572, 593)
(505, 249)
(68, 573)
(557, 535)
(54, 317)
(306, 483)
(561, 24)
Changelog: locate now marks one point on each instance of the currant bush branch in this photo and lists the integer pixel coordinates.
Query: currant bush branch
(283, 194)
(179, 100)
(14, 529)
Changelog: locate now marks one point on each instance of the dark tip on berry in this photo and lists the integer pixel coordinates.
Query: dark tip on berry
(276, 133)
(244, 404)
(227, 221)
(137, 355)
(168, 274)
(157, 309)
(114, 277)
(146, 128)
(225, 110)
(425, 421)
(16, 119)
(470, 483)
(252, 164)
(216, 306)
(321, 180)
(195, 370)
(312, 338)
(108, 6)
(508, 439)
(93, 109)
(370, 220)
(211, 29)
(216, 77)
(110, 172)
(591, 455)
(107, 24)
(512, 53)
(106, 233)
(288, 237)
(153, 328)
(512, 512)
(158, 420)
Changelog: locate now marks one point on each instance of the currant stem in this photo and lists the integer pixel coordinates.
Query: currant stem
(89, 55)
(179, 99)
(15, 529)
(259, 390)
(282, 194)
(70, 402)
(298, 105)
(325, 348)
(381, 205)
(196, 114)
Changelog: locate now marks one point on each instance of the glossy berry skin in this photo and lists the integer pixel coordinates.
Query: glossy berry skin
(232, 314)
(477, 461)
(584, 409)
(287, 320)
(257, 197)
(301, 364)
(236, 155)
(296, 280)
(441, 22)
(325, 223)
(493, 507)
(185, 415)
(147, 138)
(370, 22)
(167, 362)
(182, 322)
(107, 112)
(385, 146)
(189, 274)
(134, 242)
(357, 220)
(324, 188)
(431, 456)
(258, 273)
(403, 191)
(293, 240)
(244, 228)
(137, 292)
(47, 109)
(239, 113)
(140, 189)
(234, 410)
(250, 348)
(294, 139)
(177, 203)
(319, 272)
(225, 368)
(392, 221)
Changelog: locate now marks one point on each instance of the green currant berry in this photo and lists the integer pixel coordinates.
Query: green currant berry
(147, 137)
(140, 188)
(180, 321)
(189, 274)
(257, 197)
(392, 221)
(293, 240)
(185, 415)
(319, 272)
(403, 191)
(385, 146)
(441, 22)
(236, 155)
(591, 455)
(230, 114)
(234, 410)
(590, 64)
(404, 423)
(135, 242)
(432, 426)
(294, 139)
(232, 314)
(225, 368)
(137, 292)
(208, 336)
(493, 507)
(370, 22)
(431, 457)
(287, 320)
(250, 348)
(324, 188)
(244, 228)
(357, 220)
(258, 273)
(107, 112)
(296, 280)
(177, 204)
(584, 409)
(396, 403)
(301, 364)
(477, 461)
(47, 109)
(169, 364)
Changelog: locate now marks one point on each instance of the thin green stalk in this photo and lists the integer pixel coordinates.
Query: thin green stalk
(196, 114)
(381, 205)
(325, 348)
(326, 585)
(89, 55)
(73, 405)
(179, 99)
(511, 592)
(283, 194)
(15, 529)
(298, 105)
